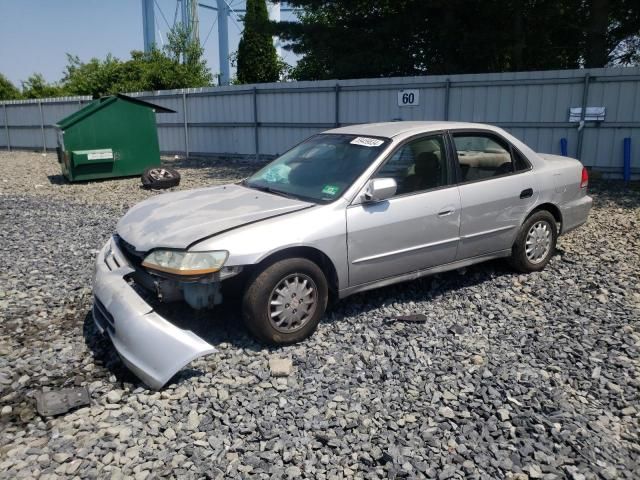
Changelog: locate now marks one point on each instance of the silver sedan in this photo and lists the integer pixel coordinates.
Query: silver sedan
(348, 210)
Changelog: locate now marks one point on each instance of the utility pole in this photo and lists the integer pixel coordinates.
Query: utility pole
(189, 15)
(195, 21)
(148, 25)
(223, 41)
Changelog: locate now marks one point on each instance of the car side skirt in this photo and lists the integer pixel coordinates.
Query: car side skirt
(407, 277)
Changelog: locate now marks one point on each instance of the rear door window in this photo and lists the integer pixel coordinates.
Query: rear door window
(521, 163)
(482, 156)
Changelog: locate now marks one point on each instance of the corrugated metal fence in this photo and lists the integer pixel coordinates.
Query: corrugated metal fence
(267, 119)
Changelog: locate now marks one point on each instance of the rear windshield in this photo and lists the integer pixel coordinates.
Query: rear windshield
(321, 168)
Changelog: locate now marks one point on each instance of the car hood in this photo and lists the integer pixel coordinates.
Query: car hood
(176, 220)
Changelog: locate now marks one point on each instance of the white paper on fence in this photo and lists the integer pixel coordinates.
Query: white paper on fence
(591, 114)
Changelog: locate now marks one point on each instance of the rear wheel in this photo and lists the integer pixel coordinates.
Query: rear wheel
(285, 301)
(536, 242)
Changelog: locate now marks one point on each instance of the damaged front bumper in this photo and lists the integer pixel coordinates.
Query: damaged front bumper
(150, 346)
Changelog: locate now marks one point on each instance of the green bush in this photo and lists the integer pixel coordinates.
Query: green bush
(8, 90)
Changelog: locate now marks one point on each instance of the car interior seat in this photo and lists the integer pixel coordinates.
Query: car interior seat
(427, 173)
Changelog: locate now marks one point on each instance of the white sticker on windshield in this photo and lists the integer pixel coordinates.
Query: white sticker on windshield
(367, 142)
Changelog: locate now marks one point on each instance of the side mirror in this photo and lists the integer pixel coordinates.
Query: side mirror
(380, 189)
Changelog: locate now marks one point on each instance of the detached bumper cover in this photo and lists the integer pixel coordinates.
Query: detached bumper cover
(150, 346)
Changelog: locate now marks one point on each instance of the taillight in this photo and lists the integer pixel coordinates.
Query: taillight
(584, 181)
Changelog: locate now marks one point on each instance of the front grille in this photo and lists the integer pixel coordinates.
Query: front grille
(135, 257)
(103, 317)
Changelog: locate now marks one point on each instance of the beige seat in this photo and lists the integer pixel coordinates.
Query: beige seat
(427, 173)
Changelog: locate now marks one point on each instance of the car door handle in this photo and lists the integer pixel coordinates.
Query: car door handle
(446, 211)
(528, 193)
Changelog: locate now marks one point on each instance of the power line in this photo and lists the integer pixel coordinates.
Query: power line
(233, 19)
(159, 31)
(175, 14)
(210, 30)
(162, 13)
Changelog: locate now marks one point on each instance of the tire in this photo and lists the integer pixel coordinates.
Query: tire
(537, 226)
(158, 178)
(292, 277)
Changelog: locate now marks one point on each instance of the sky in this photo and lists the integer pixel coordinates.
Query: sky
(35, 35)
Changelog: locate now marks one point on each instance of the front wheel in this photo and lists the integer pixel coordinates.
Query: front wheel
(536, 242)
(284, 302)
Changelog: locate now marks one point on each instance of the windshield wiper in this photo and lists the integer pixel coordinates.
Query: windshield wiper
(268, 190)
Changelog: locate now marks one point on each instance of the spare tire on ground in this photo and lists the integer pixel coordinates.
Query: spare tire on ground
(157, 178)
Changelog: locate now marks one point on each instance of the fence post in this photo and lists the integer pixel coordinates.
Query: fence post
(256, 126)
(564, 149)
(583, 111)
(6, 127)
(186, 125)
(44, 137)
(447, 88)
(337, 107)
(626, 165)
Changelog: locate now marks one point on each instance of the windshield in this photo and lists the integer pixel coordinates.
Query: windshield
(320, 169)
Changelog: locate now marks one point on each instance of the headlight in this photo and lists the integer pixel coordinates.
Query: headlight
(185, 263)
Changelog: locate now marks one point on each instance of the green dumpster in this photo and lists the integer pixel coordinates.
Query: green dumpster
(113, 136)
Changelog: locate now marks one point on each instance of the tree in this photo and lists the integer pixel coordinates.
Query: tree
(179, 64)
(190, 68)
(8, 90)
(37, 87)
(96, 77)
(611, 32)
(627, 52)
(370, 38)
(257, 58)
(353, 39)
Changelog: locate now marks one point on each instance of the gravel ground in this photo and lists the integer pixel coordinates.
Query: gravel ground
(36, 174)
(513, 376)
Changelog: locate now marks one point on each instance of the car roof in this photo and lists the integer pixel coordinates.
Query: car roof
(405, 128)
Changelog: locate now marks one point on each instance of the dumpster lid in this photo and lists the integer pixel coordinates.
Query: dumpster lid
(157, 108)
(100, 103)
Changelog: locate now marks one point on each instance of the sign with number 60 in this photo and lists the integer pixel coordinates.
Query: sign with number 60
(408, 98)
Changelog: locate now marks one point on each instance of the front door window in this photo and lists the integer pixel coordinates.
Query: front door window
(417, 166)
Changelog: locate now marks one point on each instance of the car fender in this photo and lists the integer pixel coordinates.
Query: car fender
(322, 228)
